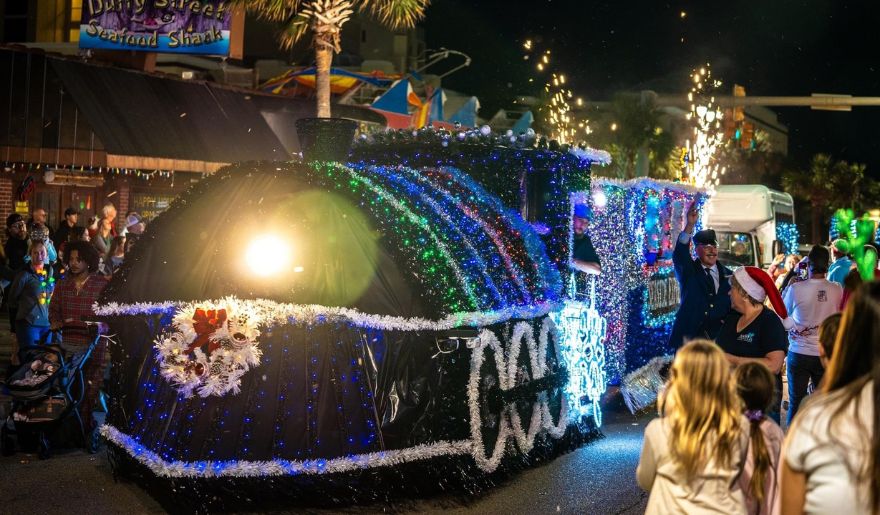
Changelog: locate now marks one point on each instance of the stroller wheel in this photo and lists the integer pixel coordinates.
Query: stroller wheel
(94, 441)
(7, 444)
(44, 451)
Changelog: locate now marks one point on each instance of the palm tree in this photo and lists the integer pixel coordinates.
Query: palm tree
(632, 130)
(325, 19)
(827, 185)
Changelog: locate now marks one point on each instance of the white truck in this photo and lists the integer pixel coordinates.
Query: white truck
(745, 219)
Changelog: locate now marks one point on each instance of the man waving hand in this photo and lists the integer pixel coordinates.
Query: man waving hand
(703, 283)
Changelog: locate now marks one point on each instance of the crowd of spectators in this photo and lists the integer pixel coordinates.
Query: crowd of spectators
(52, 278)
(718, 447)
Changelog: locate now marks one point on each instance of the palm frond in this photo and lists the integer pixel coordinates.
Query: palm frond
(271, 10)
(293, 30)
(397, 14)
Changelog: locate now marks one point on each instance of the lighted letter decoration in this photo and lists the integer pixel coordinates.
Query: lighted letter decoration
(209, 347)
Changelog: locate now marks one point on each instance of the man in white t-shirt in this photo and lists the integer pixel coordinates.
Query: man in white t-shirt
(809, 303)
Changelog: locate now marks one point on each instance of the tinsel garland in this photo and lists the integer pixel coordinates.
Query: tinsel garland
(508, 372)
(206, 469)
(382, 488)
(641, 387)
(271, 312)
(447, 276)
(591, 155)
(508, 169)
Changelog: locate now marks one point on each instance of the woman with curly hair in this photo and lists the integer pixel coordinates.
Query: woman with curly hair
(694, 453)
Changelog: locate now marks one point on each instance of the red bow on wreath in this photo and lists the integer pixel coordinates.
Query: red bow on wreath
(205, 323)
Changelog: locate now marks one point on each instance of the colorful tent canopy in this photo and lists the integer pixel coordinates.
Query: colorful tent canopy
(340, 80)
(467, 115)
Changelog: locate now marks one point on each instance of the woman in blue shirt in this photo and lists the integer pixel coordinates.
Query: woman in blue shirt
(29, 294)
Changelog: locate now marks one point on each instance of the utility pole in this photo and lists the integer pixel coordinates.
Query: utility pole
(817, 101)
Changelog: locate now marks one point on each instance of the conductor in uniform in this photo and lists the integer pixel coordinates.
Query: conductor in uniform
(583, 255)
(703, 282)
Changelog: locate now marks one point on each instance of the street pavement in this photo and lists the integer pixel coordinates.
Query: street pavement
(598, 478)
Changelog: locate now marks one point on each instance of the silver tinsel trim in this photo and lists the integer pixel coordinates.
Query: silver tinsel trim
(197, 469)
(592, 155)
(640, 387)
(508, 369)
(281, 313)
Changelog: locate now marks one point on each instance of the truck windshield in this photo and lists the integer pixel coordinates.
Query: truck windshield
(735, 249)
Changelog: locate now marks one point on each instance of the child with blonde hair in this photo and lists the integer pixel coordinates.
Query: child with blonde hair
(694, 453)
(759, 481)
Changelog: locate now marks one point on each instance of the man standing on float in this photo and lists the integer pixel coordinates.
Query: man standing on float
(583, 255)
(703, 283)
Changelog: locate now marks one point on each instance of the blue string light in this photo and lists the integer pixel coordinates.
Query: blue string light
(788, 235)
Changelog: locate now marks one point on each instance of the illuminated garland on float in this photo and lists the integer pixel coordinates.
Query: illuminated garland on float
(500, 164)
(583, 350)
(271, 312)
(439, 222)
(636, 259)
(511, 380)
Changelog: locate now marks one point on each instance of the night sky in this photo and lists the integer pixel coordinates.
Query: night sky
(776, 48)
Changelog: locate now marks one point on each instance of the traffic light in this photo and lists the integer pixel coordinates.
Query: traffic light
(748, 135)
(738, 111)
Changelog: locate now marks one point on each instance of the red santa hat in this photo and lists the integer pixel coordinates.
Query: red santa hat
(760, 286)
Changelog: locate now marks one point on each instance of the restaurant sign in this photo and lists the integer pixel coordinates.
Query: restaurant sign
(173, 26)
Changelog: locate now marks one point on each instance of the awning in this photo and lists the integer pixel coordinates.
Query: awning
(137, 114)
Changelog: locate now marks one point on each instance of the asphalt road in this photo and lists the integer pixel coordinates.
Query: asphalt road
(597, 478)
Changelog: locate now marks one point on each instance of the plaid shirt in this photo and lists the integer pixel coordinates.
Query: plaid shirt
(68, 307)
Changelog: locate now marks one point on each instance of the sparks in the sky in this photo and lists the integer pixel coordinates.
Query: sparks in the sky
(702, 167)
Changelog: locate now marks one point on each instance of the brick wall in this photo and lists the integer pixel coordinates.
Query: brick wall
(7, 203)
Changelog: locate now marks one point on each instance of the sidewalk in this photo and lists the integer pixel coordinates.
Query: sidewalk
(6, 340)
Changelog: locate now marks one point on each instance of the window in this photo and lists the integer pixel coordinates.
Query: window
(735, 249)
(48, 198)
(75, 20)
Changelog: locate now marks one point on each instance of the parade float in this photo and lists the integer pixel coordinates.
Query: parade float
(634, 227)
(354, 327)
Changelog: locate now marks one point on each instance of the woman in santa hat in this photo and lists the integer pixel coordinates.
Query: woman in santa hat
(752, 332)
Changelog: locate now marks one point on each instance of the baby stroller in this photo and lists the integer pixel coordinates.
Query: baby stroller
(46, 390)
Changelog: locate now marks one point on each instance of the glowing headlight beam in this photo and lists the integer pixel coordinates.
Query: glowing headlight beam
(267, 255)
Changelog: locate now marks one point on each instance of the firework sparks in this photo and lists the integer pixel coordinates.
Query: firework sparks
(701, 164)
